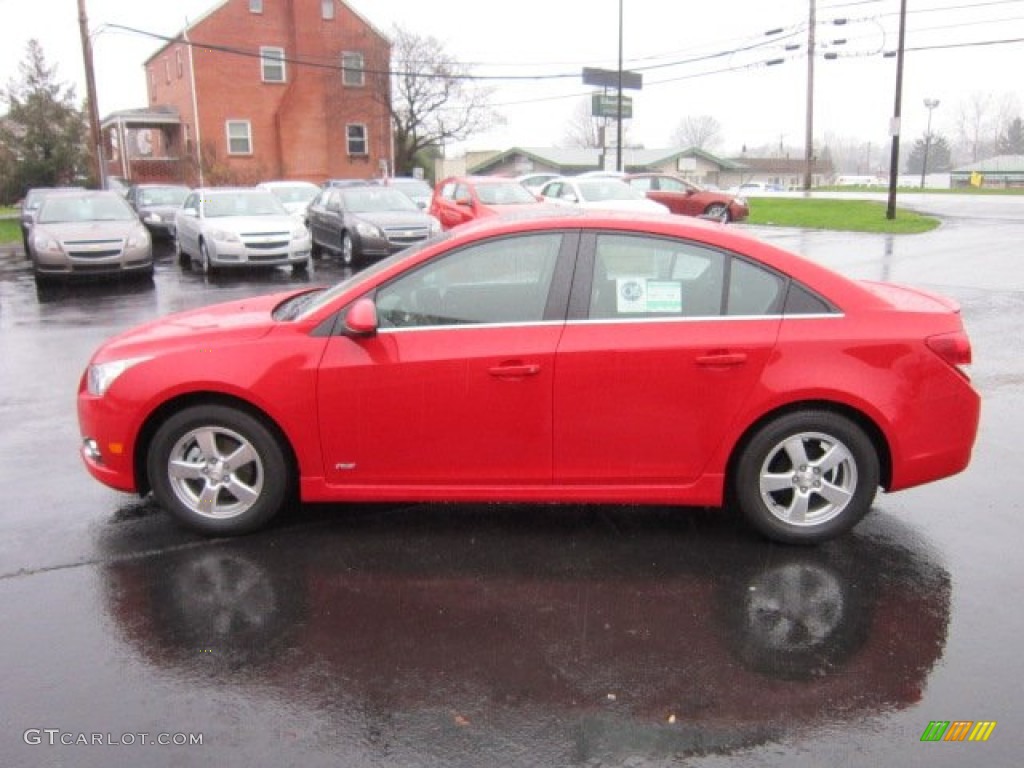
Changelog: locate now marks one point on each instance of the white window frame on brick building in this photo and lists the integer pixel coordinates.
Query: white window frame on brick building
(272, 64)
(255, 6)
(327, 9)
(357, 140)
(353, 65)
(239, 132)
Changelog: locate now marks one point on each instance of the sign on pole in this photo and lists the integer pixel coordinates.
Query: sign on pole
(609, 78)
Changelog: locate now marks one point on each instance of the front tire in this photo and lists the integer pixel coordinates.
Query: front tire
(806, 477)
(218, 470)
(718, 211)
(348, 250)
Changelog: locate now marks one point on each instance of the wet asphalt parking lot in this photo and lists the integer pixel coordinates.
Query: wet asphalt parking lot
(436, 635)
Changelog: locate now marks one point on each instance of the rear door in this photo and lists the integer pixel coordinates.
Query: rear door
(665, 340)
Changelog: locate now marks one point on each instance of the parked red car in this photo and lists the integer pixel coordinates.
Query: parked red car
(464, 198)
(688, 199)
(568, 358)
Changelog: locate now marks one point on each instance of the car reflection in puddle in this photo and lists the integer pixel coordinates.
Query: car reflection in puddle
(620, 630)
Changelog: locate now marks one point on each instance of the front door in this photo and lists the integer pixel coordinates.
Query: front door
(456, 387)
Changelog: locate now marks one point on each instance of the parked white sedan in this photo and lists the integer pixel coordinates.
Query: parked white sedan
(239, 227)
(598, 193)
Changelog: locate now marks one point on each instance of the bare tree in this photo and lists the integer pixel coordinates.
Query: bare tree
(973, 122)
(700, 131)
(583, 130)
(434, 101)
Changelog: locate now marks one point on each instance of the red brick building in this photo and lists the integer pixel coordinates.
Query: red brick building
(261, 89)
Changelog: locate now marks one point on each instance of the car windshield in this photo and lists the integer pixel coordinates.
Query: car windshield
(242, 203)
(71, 208)
(375, 199)
(299, 193)
(512, 193)
(163, 195)
(413, 187)
(597, 190)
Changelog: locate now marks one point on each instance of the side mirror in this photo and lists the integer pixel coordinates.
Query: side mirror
(361, 319)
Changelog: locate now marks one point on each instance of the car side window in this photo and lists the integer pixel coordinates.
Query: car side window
(643, 183)
(506, 280)
(192, 201)
(645, 277)
(754, 290)
(448, 191)
(671, 185)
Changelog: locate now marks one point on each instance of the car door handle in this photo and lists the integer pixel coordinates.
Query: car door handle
(514, 370)
(721, 359)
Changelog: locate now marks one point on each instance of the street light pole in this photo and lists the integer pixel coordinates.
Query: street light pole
(929, 104)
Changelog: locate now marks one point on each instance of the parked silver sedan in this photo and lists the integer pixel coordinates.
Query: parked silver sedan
(238, 227)
(88, 232)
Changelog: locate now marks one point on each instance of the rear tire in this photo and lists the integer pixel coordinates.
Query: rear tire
(806, 477)
(218, 470)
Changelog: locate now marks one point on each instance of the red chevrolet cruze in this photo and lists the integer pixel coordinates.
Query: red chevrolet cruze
(571, 358)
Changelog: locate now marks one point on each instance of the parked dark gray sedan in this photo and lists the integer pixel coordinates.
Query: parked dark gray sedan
(156, 205)
(362, 222)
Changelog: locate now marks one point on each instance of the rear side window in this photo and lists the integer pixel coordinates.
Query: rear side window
(753, 290)
(637, 277)
(641, 277)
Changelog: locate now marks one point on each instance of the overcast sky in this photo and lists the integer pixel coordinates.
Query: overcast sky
(696, 58)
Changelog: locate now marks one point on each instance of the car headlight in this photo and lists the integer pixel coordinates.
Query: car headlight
(102, 375)
(43, 242)
(368, 230)
(225, 236)
(298, 233)
(740, 200)
(138, 238)
(435, 226)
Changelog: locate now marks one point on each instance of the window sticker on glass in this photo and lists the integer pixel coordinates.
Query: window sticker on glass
(631, 294)
(638, 295)
(664, 296)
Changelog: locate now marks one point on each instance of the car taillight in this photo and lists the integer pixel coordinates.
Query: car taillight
(954, 348)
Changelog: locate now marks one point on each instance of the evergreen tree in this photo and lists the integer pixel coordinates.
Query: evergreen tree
(1012, 141)
(43, 134)
(939, 155)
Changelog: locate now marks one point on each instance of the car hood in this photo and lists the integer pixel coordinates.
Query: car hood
(244, 320)
(88, 230)
(251, 225)
(161, 210)
(397, 218)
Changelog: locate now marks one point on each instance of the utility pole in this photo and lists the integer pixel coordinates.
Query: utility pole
(96, 152)
(894, 161)
(618, 108)
(809, 141)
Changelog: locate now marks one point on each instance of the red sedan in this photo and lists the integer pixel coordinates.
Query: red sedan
(460, 199)
(567, 358)
(683, 197)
